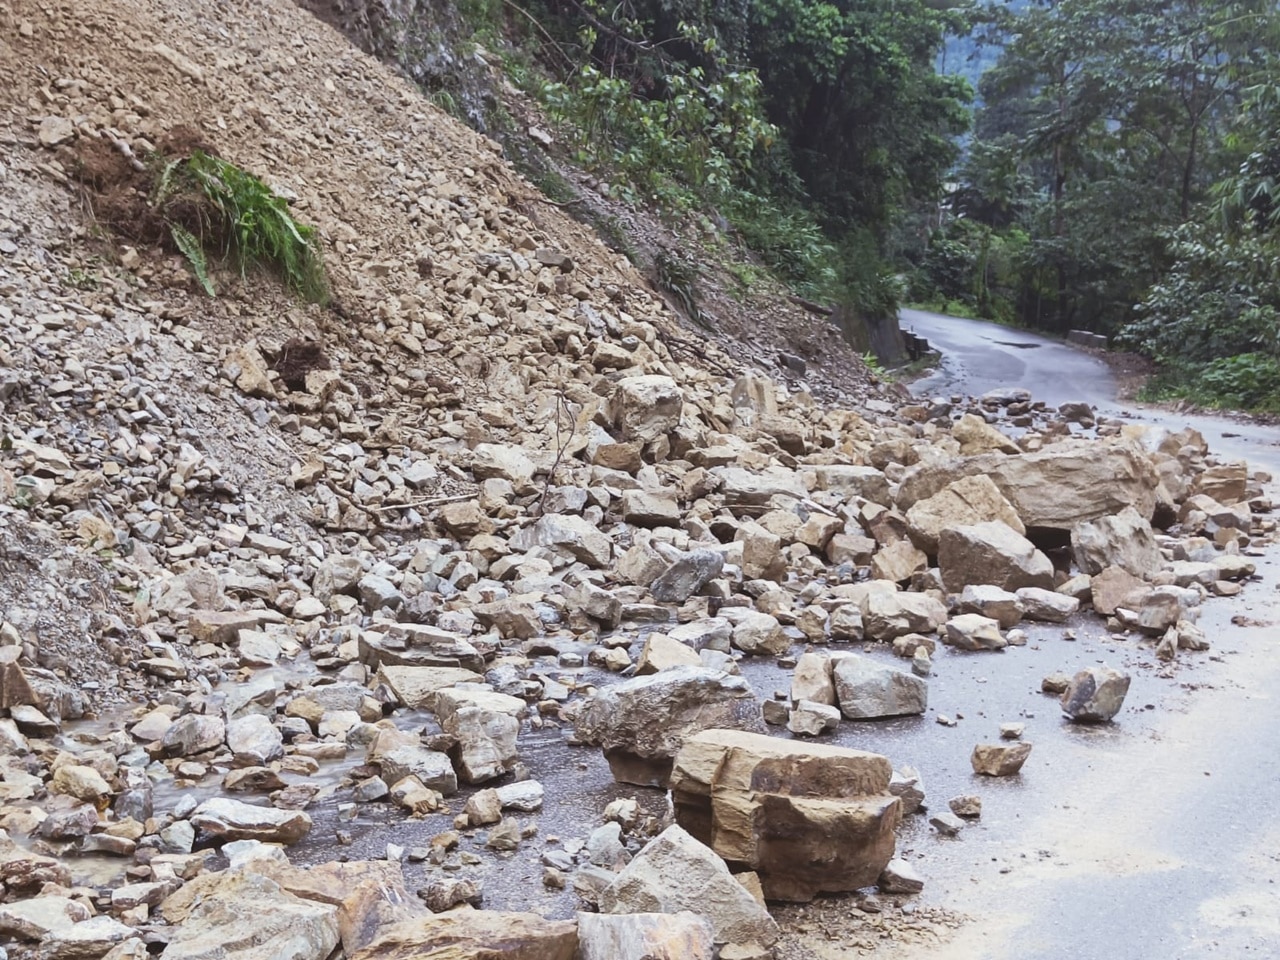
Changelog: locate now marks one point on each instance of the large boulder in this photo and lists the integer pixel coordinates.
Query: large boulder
(991, 553)
(867, 690)
(674, 873)
(645, 936)
(226, 819)
(1054, 489)
(567, 534)
(642, 723)
(475, 934)
(775, 806)
(249, 917)
(645, 408)
(1125, 541)
(886, 615)
(960, 503)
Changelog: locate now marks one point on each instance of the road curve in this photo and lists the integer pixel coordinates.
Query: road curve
(1154, 838)
(978, 356)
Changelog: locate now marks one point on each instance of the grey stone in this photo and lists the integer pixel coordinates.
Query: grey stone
(867, 689)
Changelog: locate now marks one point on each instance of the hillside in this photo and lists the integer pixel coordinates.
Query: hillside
(433, 583)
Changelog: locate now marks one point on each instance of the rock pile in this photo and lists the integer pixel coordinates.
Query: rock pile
(503, 503)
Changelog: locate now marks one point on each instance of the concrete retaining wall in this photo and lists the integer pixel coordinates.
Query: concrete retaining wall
(1086, 339)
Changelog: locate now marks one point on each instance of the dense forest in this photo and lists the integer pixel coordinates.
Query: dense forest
(1100, 164)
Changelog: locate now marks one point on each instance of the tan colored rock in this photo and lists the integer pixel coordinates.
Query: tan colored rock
(676, 872)
(467, 934)
(898, 561)
(645, 936)
(963, 502)
(773, 805)
(1227, 483)
(887, 615)
(976, 436)
(1063, 484)
(246, 368)
(645, 408)
(662, 653)
(999, 759)
(1112, 588)
(416, 687)
(991, 553)
(816, 532)
(1125, 540)
(15, 690)
(762, 557)
(646, 508)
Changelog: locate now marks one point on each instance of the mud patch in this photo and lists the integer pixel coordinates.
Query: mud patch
(297, 359)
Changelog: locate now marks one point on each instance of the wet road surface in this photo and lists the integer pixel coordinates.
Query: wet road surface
(1157, 836)
(979, 356)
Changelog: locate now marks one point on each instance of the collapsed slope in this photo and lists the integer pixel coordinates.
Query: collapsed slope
(501, 461)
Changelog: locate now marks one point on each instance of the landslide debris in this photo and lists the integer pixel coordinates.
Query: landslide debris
(275, 575)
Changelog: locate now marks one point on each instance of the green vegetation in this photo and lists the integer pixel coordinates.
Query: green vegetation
(809, 128)
(1121, 179)
(212, 206)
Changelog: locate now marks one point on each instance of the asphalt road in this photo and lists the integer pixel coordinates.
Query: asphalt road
(1156, 837)
(979, 356)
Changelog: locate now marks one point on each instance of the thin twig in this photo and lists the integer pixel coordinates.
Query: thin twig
(543, 30)
(561, 401)
(429, 502)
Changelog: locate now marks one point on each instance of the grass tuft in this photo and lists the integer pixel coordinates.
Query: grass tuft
(211, 204)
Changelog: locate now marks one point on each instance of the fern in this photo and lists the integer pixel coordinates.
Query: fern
(193, 250)
(250, 221)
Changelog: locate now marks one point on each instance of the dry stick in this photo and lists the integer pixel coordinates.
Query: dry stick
(561, 401)
(429, 502)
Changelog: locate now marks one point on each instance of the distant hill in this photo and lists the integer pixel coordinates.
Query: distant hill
(965, 57)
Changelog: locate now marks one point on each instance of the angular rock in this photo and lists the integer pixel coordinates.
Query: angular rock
(676, 873)
(899, 876)
(812, 680)
(662, 653)
(809, 719)
(642, 723)
(773, 806)
(191, 734)
(1125, 540)
(889, 615)
(867, 690)
(1111, 588)
(1000, 605)
(963, 502)
(991, 553)
(227, 819)
(898, 562)
(686, 576)
(1047, 606)
(976, 436)
(645, 408)
(249, 917)
(645, 936)
(400, 755)
(255, 739)
(567, 534)
(1060, 486)
(971, 631)
(486, 743)
(999, 759)
(1095, 695)
(472, 935)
